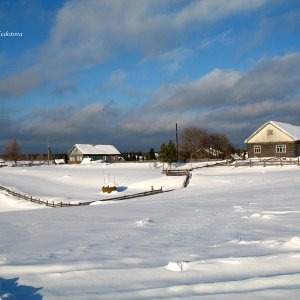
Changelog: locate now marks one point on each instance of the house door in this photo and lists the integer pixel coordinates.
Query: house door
(298, 149)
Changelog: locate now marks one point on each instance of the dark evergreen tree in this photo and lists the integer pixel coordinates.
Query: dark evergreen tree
(168, 153)
(171, 152)
(151, 154)
(163, 153)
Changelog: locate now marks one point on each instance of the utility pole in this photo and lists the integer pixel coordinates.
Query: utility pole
(176, 142)
(48, 154)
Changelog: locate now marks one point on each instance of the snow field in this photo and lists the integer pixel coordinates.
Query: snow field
(232, 233)
(81, 183)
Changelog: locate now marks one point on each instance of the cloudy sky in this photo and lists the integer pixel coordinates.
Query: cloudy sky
(124, 72)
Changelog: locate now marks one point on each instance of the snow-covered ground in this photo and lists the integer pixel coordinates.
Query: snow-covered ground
(81, 183)
(231, 233)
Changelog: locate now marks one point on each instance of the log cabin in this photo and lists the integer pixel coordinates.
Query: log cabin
(274, 139)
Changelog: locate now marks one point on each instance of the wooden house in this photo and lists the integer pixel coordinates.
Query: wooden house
(107, 153)
(274, 139)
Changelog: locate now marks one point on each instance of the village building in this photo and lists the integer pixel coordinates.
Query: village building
(274, 139)
(107, 153)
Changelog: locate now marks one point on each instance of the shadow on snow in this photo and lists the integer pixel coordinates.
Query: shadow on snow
(121, 188)
(10, 289)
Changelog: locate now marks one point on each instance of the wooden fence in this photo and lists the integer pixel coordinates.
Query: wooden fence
(143, 194)
(39, 201)
(267, 162)
(178, 172)
(187, 179)
(63, 204)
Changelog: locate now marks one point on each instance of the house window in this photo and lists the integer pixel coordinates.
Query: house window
(270, 132)
(280, 148)
(257, 149)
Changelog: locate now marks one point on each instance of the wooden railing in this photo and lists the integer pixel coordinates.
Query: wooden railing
(177, 172)
(64, 204)
(267, 162)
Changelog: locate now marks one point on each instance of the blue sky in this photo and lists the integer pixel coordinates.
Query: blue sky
(125, 72)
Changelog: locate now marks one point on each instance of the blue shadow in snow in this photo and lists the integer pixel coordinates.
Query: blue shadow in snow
(121, 188)
(21, 292)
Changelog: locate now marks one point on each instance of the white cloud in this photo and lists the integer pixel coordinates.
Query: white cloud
(276, 78)
(84, 35)
(226, 101)
(209, 42)
(211, 11)
(174, 58)
(208, 91)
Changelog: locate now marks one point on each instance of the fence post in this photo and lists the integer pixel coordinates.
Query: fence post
(298, 161)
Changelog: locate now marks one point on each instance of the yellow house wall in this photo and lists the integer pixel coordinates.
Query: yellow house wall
(277, 136)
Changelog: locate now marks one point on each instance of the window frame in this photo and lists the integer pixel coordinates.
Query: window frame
(257, 149)
(280, 148)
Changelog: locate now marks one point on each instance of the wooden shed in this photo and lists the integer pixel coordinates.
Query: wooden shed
(107, 153)
(274, 139)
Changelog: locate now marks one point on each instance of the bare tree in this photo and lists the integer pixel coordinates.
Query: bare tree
(219, 145)
(198, 143)
(191, 140)
(13, 151)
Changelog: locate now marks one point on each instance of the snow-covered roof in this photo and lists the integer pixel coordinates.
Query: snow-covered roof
(291, 130)
(97, 149)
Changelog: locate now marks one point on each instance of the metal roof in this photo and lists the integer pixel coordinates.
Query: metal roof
(91, 149)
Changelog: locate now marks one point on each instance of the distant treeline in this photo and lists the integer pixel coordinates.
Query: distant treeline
(192, 143)
(139, 155)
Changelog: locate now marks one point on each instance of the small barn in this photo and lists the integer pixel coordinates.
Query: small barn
(274, 139)
(107, 153)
